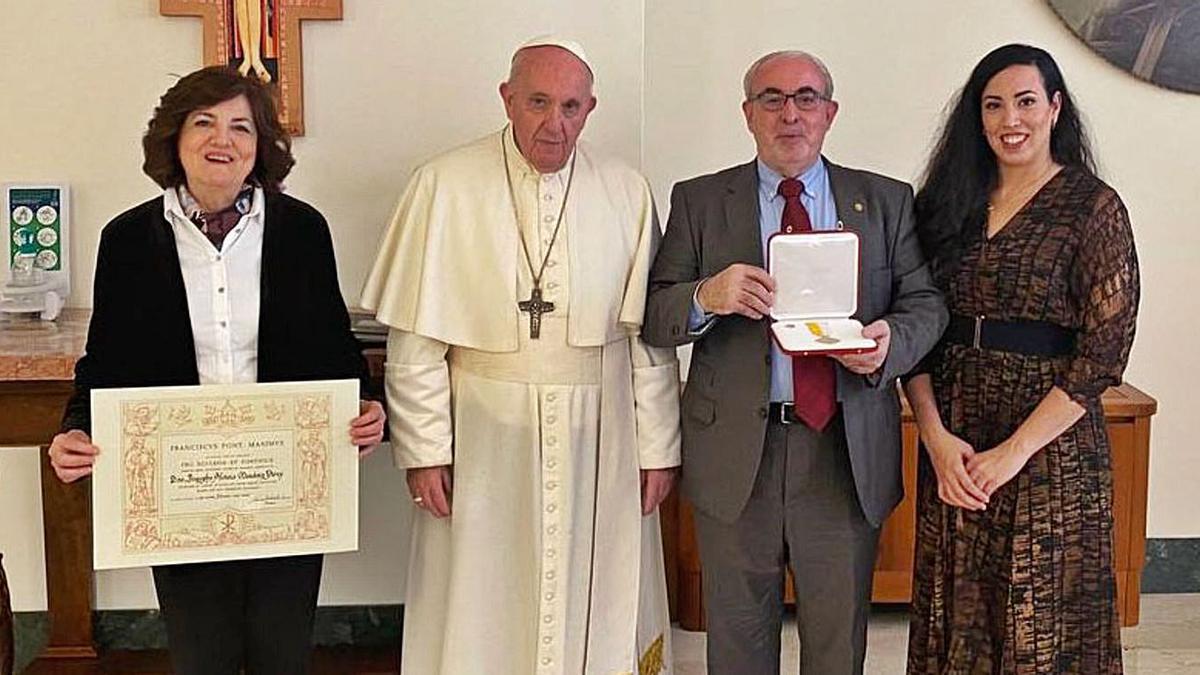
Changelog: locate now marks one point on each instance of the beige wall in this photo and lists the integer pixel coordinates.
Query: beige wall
(397, 81)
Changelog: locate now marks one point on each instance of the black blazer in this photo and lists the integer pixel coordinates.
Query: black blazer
(141, 334)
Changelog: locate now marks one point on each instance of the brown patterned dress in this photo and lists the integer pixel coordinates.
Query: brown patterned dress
(1027, 585)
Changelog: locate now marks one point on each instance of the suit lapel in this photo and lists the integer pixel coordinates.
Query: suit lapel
(853, 216)
(741, 214)
(744, 233)
(847, 198)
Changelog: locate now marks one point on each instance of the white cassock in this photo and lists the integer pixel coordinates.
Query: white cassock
(546, 565)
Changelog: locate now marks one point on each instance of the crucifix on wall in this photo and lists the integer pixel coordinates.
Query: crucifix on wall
(261, 38)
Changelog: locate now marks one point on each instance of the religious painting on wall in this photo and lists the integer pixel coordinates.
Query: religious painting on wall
(1155, 40)
(253, 38)
(261, 38)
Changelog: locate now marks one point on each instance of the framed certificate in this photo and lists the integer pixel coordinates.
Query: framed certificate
(223, 472)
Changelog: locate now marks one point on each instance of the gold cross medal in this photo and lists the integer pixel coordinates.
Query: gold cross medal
(818, 331)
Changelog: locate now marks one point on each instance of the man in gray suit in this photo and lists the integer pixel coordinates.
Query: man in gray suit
(788, 461)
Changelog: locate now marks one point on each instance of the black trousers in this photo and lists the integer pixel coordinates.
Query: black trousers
(252, 614)
(803, 514)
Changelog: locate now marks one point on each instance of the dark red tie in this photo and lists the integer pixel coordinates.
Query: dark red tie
(814, 382)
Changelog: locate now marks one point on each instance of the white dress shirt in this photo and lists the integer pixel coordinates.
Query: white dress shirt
(225, 331)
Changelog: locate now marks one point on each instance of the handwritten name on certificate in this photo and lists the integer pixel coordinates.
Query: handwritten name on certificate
(223, 472)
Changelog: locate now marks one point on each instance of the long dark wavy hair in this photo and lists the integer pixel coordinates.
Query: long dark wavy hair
(204, 88)
(951, 205)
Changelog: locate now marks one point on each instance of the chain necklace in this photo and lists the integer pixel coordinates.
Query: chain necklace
(535, 306)
(1012, 205)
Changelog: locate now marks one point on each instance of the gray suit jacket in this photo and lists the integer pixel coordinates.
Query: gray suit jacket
(714, 222)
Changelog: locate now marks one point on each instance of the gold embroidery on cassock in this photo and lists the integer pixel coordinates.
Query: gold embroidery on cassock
(652, 662)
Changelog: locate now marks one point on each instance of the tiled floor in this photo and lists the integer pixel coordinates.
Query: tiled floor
(1166, 641)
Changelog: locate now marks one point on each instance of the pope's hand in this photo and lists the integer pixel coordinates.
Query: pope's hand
(656, 485)
(431, 489)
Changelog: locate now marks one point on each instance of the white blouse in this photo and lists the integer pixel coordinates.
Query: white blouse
(225, 331)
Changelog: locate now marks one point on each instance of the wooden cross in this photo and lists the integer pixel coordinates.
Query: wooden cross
(536, 308)
(279, 31)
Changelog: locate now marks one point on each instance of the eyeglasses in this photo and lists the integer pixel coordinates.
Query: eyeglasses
(773, 100)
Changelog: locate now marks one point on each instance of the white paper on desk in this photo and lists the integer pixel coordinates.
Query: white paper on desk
(223, 472)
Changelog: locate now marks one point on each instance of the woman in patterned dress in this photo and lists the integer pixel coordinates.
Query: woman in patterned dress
(1014, 561)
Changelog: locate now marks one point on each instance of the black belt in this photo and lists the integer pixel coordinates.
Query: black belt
(1033, 338)
(783, 413)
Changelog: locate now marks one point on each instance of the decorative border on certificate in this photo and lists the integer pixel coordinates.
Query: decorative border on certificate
(223, 472)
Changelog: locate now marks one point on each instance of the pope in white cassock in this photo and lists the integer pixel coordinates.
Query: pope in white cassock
(538, 432)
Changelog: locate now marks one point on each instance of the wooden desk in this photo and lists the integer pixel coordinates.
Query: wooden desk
(36, 371)
(1127, 411)
(37, 361)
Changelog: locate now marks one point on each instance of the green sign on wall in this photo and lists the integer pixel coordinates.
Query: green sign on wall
(35, 227)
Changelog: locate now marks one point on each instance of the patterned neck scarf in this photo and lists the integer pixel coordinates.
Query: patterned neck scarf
(216, 225)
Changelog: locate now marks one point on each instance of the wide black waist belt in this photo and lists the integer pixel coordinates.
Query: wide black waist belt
(1033, 338)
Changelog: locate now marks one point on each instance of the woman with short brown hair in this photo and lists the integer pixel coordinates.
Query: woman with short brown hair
(221, 279)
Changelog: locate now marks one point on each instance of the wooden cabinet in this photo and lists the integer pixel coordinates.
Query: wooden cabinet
(1127, 411)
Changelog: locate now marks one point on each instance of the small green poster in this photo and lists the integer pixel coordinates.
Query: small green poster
(35, 226)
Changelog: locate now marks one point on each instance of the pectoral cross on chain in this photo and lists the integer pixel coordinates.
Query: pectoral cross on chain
(536, 308)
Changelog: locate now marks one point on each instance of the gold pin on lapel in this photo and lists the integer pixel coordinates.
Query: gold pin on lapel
(858, 206)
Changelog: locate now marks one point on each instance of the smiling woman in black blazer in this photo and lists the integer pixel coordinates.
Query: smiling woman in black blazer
(221, 279)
